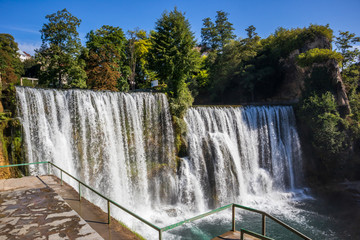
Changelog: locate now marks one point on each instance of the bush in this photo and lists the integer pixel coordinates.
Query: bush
(327, 132)
(317, 55)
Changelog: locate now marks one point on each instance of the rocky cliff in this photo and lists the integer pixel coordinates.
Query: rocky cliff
(294, 76)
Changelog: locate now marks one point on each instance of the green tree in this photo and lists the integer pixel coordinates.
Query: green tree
(31, 68)
(251, 32)
(139, 44)
(345, 42)
(60, 51)
(208, 33)
(319, 112)
(174, 59)
(216, 35)
(106, 63)
(173, 52)
(11, 67)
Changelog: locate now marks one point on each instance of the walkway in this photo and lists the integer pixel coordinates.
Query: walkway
(40, 208)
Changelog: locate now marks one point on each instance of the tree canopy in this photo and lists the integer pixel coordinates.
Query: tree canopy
(105, 67)
(60, 51)
(173, 55)
(10, 65)
(216, 35)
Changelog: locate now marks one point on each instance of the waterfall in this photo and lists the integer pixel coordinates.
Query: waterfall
(238, 154)
(122, 144)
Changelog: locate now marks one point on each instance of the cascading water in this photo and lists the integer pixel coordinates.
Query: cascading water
(238, 154)
(123, 145)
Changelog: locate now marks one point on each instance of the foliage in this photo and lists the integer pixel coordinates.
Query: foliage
(139, 44)
(10, 66)
(31, 68)
(60, 50)
(253, 65)
(172, 54)
(216, 35)
(105, 66)
(284, 41)
(174, 59)
(316, 55)
(320, 113)
(199, 80)
(351, 79)
(344, 42)
(10, 132)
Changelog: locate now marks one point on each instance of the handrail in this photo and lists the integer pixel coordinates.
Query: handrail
(196, 218)
(109, 200)
(22, 164)
(160, 230)
(264, 215)
(93, 190)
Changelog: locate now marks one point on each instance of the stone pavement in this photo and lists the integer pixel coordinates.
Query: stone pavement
(31, 210)
(41, 208)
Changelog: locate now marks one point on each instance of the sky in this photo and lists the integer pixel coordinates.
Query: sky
(23, 19)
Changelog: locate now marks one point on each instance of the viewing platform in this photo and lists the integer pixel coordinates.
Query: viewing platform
(38, 207)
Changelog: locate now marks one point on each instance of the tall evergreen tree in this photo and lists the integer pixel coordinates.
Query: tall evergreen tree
(216, 35)
(60, 51)
(173, 51)
(174, 59)
(208, 33)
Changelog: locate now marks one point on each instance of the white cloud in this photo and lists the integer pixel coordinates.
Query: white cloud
(28, 30)
(29, 47)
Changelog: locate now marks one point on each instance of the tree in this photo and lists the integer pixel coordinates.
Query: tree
(10, 65)
(224, 29)
(60, 50)
(173, 54)
(251, 32)
(208, 33)
(139, 44)
(344, 42)
(31, 68)
(216, 35)
(173, 58)
(105, 65)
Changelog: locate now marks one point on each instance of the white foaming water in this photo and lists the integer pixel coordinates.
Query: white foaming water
(123, 145)
(243, 155)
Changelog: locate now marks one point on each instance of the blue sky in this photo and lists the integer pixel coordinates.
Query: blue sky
(24, 18)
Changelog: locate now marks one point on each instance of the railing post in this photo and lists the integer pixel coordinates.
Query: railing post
(48, 168)
(160, 234)
(79, 191)
(109, 216)
(61, 177)
(263, 224)
(233, 218)
(241, 235)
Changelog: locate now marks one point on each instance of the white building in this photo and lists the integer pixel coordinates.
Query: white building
(24, 56)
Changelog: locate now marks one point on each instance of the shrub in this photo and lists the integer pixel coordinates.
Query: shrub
(317, 55)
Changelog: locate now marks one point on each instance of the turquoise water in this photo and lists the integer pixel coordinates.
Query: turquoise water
(325, 217)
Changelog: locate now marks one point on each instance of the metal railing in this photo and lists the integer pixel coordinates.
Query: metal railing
(161, 230)
(93, 190)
